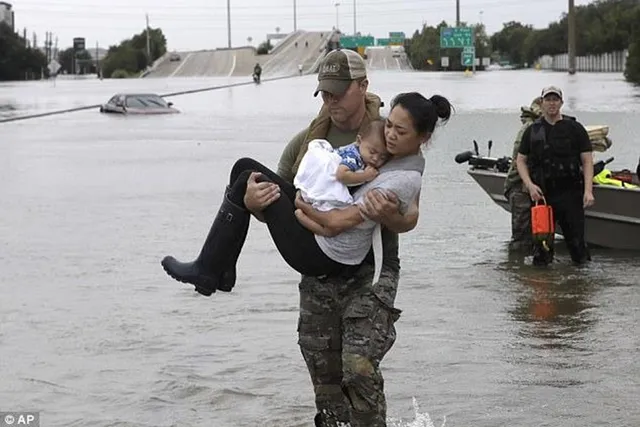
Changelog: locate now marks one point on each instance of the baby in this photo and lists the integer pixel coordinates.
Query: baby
(326, 173)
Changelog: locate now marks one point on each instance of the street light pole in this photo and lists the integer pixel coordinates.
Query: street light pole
(337, 18)
(229, 22)
(354, 17)
(295, 25)
(572, 37)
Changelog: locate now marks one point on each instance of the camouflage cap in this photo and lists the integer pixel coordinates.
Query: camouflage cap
(338, 69)
(551, 89)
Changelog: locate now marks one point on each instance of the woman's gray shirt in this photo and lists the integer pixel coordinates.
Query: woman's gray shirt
(403, 177)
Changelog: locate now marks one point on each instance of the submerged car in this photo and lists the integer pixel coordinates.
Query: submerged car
(143, 103)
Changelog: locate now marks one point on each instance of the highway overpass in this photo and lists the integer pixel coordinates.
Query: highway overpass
(299, 47)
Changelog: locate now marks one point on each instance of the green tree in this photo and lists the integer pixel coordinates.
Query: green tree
(130, 57)
(83, 59)
(632, 71)
(509, 42)
(601, 27)
(265, 47)
(17, 61)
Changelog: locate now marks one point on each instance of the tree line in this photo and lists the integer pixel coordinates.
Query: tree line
(18, 61)
(130, 57)
(601, 27)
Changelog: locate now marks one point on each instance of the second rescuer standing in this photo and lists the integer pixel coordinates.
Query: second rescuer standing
(555, 161)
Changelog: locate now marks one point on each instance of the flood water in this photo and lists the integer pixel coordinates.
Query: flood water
(94, 333)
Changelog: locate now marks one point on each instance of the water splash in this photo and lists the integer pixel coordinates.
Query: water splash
(420, 420)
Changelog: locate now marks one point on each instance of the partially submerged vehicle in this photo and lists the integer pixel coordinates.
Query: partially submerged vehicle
(134, 103)
(612, 222)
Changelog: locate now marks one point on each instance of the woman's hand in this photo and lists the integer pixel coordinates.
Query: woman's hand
(383, 207)
(380, 206)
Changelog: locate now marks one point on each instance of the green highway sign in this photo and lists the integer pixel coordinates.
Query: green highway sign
(456, 37)
(467, 59)
(383, 42)
(353, 42)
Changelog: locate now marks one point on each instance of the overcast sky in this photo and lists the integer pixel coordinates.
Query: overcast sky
(202, 24)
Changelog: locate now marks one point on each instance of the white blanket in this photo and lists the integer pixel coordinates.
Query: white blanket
(316, 178)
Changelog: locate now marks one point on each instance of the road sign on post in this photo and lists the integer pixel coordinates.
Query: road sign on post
(396, 38)
(354, 42)
(54, 67)
(467, 59)
(452, 37)
(78, 43)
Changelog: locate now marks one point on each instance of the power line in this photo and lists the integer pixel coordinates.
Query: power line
(251, 17)
(439, 4)
(90, 107)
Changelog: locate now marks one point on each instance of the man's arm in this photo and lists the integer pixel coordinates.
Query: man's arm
(289, 156)
(523, 170)
(587, 171)
(333, 222)
(260, 195)
(586, 157)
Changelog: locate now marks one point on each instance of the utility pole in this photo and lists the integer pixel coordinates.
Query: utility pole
(354, 17)
(229, 22)
(97, 62)
(148, 43)
(295, 24)
(572, 37)
(46, 46)
(457, 13)
(337, 17)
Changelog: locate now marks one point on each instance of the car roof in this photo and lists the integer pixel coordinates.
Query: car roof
(138, 94)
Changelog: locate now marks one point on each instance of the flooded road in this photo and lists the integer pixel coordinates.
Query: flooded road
(93, 332)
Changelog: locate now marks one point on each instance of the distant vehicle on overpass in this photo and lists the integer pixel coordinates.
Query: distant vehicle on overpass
(143, 103)
(397, 51)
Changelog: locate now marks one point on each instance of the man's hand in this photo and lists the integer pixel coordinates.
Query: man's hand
(588, 199)
(259, 195)
(380, 206)
(535, 192)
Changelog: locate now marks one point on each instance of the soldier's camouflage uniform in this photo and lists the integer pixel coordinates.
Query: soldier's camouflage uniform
(346, 324)
(515, 191)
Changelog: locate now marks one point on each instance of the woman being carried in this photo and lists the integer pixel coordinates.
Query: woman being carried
(344, 239)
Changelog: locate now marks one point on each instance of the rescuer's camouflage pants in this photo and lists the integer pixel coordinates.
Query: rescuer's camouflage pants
(345, 328)
(520, 205)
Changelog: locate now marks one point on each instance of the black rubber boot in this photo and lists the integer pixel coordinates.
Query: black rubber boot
(229, 276)
(218, 254)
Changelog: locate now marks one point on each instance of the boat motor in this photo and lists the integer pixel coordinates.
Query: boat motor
(479, 162)
(599, 166)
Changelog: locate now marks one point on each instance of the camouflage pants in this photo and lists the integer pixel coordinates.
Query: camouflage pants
(520, 205)
(344, 331)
